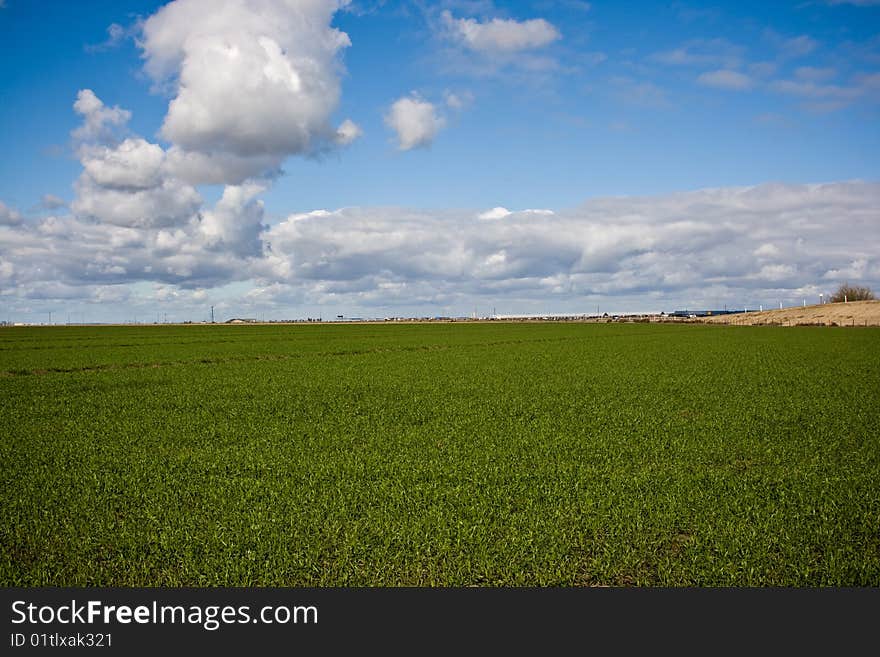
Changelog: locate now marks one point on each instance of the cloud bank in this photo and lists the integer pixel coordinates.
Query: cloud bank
(743, 245)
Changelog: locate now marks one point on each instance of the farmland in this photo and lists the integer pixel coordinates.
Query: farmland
(486, 454)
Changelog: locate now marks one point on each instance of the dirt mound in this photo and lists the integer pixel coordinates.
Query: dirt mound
(854, 313)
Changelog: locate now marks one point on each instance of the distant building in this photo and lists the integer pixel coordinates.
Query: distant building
(241, 320)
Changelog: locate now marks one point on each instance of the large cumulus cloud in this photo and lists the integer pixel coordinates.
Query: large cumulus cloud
(124, 182)
(131, 220)
(253, 82)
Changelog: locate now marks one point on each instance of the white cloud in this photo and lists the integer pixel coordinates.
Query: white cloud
(115, 32)
(855, 270)
(740, 245)
(125, 184)
(7, 269)
(133, 218)
(799, 46)
(814, 74)
(763, 69)
(791, 47)
(278, 88)
(815, 90)
(725, 79)
(453, 101)
(235, 223)
(820, 96)
(134, 164)
(639, 92)
(9, 216)
(168, 203)
(52, 202)
(347, 132)
(500, 35)
(868, 83)
(767, 250)
(115, 35)
(775, 273)
(494, 213)
(752, 239)
(218, 168)
(702, 52)
(458, 101)
(98, 119)
(415, 121)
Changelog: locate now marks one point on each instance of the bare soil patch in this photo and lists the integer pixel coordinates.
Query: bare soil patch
(854, 313)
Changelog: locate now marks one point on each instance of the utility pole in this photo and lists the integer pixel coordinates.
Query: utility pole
(212, 314)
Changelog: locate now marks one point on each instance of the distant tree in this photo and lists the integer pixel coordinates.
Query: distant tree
(852, 293)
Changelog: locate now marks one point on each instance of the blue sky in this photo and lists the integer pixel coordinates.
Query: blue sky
(456, 108)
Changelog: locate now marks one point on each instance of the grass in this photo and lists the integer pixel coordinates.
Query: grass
(440, 455)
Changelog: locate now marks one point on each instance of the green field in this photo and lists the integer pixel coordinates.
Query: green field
(440, 454)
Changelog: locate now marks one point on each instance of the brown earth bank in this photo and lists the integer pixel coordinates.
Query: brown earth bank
(854, 313)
